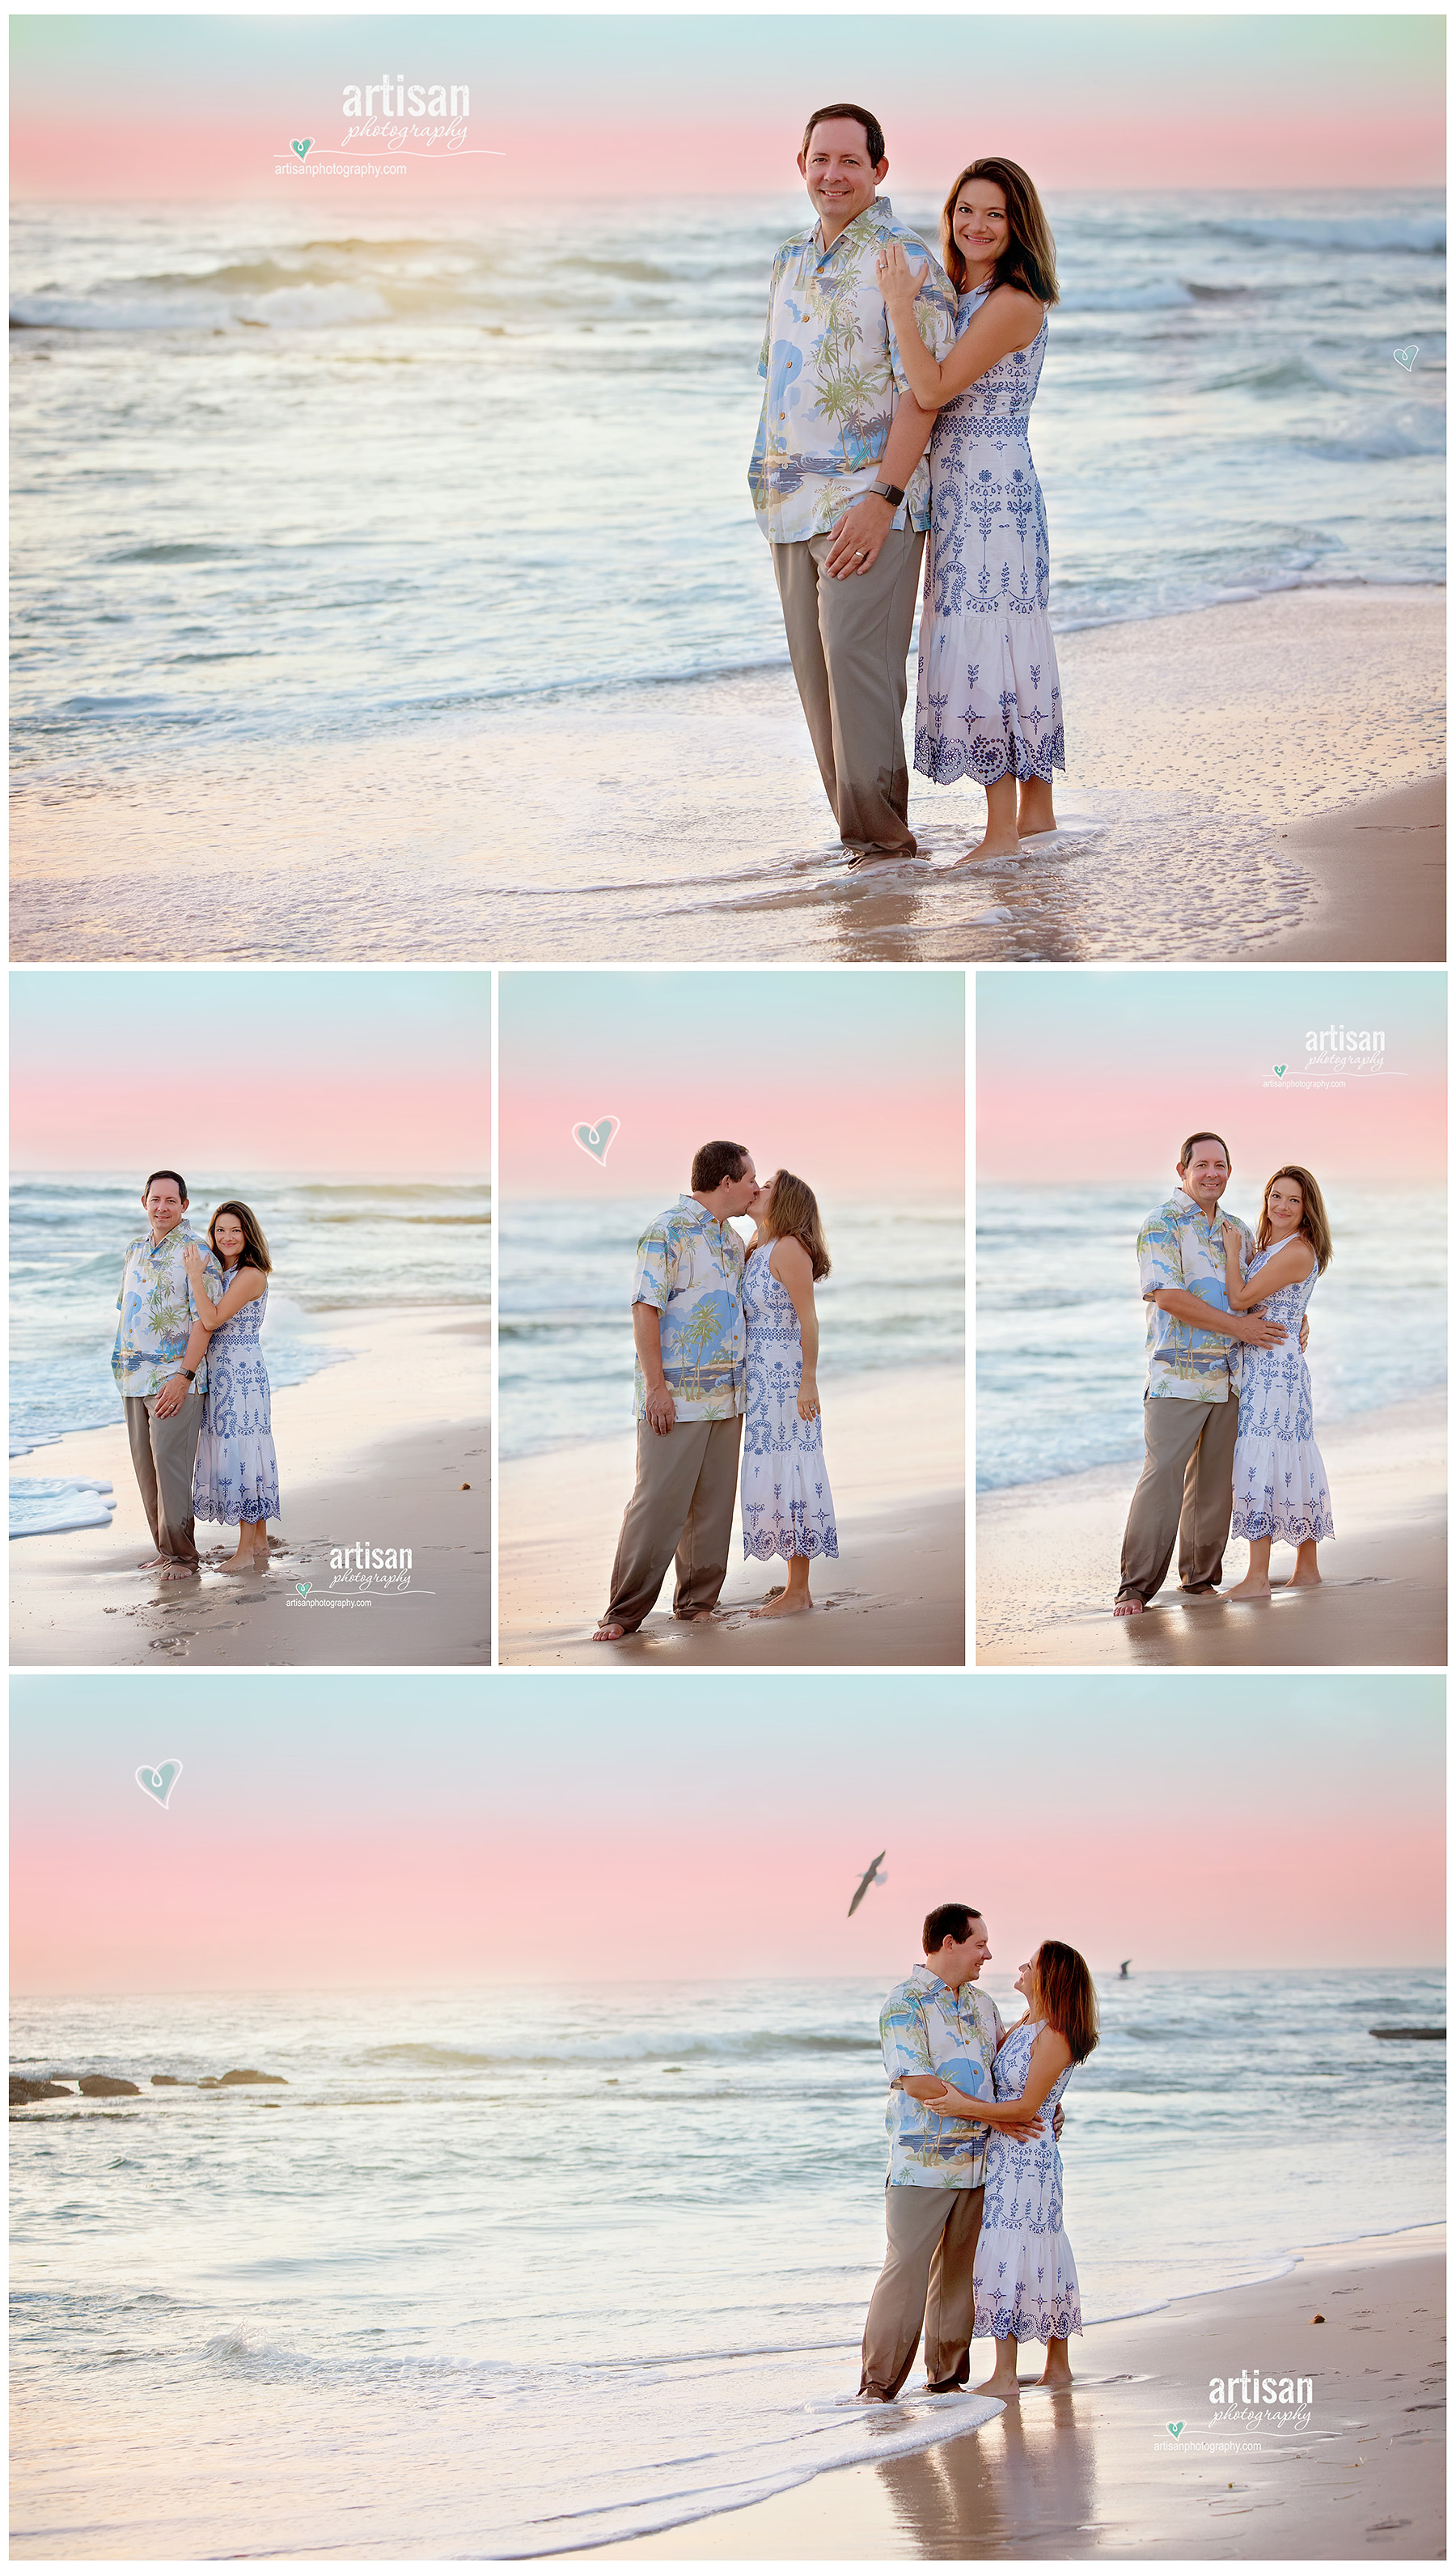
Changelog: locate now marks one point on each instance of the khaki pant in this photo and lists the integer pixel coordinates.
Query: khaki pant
(849, 640)
(1186, 1489)
(683, 1504)
(164, 1452)
(929, 2274)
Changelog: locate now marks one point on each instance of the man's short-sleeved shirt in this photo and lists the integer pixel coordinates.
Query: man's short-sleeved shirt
(691, 1270)
(832, 375)
(1183, 1248)
(925, 2027)
(155, 1311)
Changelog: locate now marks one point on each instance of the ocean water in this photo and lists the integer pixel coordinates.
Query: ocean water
(1061, 1362)
(896, 1296)
(260, 451)
(334, 1245)
(502, 2272)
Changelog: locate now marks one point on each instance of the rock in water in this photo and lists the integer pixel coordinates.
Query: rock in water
(24, 2093)
(234, 2079)
(99, 2084)
(165, 2080)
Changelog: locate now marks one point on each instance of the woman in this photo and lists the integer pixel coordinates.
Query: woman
(1026, 2276)
(989, 702)
(786, 1502)
(1280, 1488)
(235, 1477)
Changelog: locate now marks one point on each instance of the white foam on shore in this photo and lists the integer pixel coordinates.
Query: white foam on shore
(56, 1507)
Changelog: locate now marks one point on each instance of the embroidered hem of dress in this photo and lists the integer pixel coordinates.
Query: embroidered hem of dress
(945, 762)
(1013, 2321)
(764, 1548)
(1254, 1524)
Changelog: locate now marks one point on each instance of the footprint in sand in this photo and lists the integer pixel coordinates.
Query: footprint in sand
(170, 1642)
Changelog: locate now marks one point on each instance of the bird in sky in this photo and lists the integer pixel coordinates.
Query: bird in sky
(870, 1875)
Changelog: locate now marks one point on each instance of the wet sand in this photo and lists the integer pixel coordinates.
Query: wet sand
(1047, 1556)
(1097, 2473)
(894, 1598)
(687, 821)
(374, 1452)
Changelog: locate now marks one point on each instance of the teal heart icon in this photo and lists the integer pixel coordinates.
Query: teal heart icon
(599, 1138)
(1175, 2427)
(1279, 1070)
(159, 1782)
(305, 148)
(1407, 356)
(303, 1586)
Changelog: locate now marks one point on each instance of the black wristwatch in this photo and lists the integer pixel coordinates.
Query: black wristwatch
(191, 1374)
(885, 491)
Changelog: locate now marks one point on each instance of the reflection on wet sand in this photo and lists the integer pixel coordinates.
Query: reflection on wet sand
(1027, 2484)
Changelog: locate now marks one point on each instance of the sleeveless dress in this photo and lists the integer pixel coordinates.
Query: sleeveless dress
(1280, 1487)
(235, 1475)
(786, 1503)
(988, 702)
(1026, 2276)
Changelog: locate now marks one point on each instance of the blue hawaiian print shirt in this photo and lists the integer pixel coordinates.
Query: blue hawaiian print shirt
(832, 375)
(1182, 1248)
(157, 1309)
(925, 2027)
(691, 1270)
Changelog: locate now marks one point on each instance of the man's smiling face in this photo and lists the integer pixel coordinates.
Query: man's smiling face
(1207, 1174)
(165, 1205)
(838, 172)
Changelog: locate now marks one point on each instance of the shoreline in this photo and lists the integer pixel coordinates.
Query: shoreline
(1098, 2473)
(1046, 1557)
(421, 1483)
(679, 813)
(894, 1597)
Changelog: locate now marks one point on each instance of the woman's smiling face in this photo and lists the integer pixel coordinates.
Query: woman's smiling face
(1285, 1206)
(228, 1237)
(979, 226)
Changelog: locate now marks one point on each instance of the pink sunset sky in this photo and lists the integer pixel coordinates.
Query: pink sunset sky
(350, 1832)
(202, 107)
(855, 1080)
(1100, 1076)
(334, 1074)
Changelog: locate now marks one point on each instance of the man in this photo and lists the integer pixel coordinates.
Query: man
(837, 477)
(938, 2031)
(160, 1369)
(1190, 1406)
(688, 1322)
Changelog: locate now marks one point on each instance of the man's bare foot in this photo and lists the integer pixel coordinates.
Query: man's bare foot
(882, 856)
(606, 1633)
(1129, 1606)
(782, 1602)
(180, 1570)
(1000, 2387)
(1248, 1588)
(153, 1562)
(1305, 1580)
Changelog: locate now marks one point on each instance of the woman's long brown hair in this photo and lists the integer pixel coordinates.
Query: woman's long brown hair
(1030, 256)
(1313, 1221)
(1065, 1997)
(792, 1214)
(254, 1251)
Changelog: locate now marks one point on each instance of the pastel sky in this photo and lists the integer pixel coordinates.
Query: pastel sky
(355, 1831)
(1100, 1076)
(856, 1079)
(197, 106)
(320, 1073)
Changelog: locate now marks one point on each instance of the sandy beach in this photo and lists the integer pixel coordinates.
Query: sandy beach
(1047, 1558)
(1098, 2473)
(1229, 794)
(377, 1450)
(894, 1598)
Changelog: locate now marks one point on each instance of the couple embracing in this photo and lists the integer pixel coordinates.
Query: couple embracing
(1229, 1413)
(728, 1345)
(874, 350)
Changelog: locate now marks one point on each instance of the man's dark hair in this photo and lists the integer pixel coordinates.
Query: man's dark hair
(874, 132)
(165, 1173)
(715, 1163)
(952, 1919)
(1185, 1155)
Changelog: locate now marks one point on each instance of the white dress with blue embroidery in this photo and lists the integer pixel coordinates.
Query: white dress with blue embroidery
(786, 1502)
(1026, 2276)
(989, 699)
(1280, 1487)
(235, 1476)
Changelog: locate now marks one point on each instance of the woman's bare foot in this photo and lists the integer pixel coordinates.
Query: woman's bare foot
(240, 1562)
(1305, 1580)
(1056, 2378)
(1035, 814)
(784, 1602)
(1000, 2387)
(989, 848)
(1248, 1587)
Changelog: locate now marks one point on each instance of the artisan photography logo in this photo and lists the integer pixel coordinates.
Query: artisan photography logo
(1332, 1057)
(1246, 2412)
(389, 122)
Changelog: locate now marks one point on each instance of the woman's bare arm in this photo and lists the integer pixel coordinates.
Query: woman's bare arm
(796, 1274)
(1289, 1267)
(1007, 319)
(244, 1288)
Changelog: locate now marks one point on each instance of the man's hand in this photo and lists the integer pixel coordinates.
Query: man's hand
(662, 1410)
(927, 2085)
(172, 1397)
(858, 536)
(1256, 1332)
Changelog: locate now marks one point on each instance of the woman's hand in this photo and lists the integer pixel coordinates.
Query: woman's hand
(192, 1260)
(1233, 1242)
(808, 1397)
(898, 283)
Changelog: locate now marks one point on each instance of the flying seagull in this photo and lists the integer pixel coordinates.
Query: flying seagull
(870, 1875)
